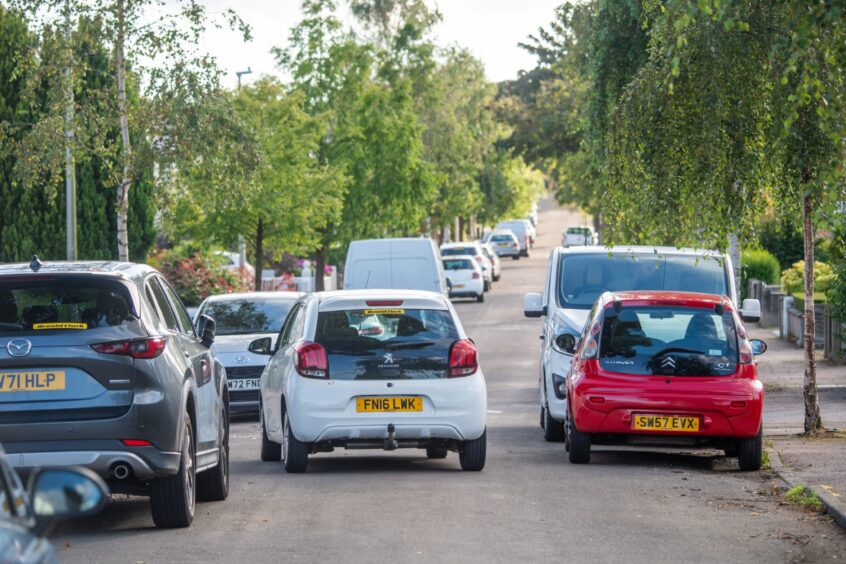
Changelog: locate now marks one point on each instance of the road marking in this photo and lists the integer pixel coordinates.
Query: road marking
(493, 411)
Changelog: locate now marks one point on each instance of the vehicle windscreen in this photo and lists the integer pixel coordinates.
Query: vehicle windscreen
(578, 231)
(386, 344)
(458, 264)
(62, 303)
(502, 239)
(668, 341)
(243, 316)
(584, 277)
(454, 251)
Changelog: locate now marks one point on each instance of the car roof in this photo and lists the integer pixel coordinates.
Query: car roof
(292, 296)
(502, 232)
(356, 299)
(105, 268)
(690, 299)
(459, 245)
(638, 250)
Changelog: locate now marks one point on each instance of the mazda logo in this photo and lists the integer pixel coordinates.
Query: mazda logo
(18, 347)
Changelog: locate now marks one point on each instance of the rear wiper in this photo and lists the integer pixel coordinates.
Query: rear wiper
(16, 326)
(677, 349)
(415, 345)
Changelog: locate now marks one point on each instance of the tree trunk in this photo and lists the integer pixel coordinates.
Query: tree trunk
(461, 228)
(259, 254)
(123, 188)
(319, 264)
(812, 406)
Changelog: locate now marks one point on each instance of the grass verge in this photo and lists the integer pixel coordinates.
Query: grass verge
(802, 495)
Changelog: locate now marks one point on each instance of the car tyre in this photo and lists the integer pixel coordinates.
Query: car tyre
(515, 257)
(294, 452)
(435, 452)
(578, 443)
(497, 277)
(553, 430)
(732, 450)
(213, 484)
(173, 498)
(481, 297)
(750, 452)
(472, 454)
(271, 451)
(487, 287)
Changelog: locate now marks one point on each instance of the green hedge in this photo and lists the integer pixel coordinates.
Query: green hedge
(793, 278)
(799, 299)
(758, 264)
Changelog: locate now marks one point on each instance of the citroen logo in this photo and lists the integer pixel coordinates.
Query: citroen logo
(668, 362)
(18, 347)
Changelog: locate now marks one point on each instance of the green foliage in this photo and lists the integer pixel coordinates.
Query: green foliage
(195, 275)
(837, 292)
(804, 496)
(783, 238)
(758, 264)
(793, 278)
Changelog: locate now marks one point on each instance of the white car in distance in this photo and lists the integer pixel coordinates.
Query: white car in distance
(579, 236)
(418, 384)
(464, 277)
(474, 249)
(496, 265)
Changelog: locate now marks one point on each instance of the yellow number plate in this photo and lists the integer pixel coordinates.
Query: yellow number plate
(648, 422)
(388, 404)
(22, 381)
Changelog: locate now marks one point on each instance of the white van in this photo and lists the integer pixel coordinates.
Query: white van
(397, 264)
(518, 226)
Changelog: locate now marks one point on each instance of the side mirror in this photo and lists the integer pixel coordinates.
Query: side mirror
(758, 346)
(566, 343)
(261, 346)
(533, 305)
(206, 328)
(63, 493)
(751, 310)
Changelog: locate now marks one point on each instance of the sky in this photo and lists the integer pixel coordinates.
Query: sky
(490, 29)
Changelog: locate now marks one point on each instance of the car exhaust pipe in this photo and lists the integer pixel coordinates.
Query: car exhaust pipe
(121, 471)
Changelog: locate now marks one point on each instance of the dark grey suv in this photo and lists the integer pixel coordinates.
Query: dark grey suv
(101, 367)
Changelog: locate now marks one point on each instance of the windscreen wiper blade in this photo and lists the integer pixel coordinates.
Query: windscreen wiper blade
(414, 345)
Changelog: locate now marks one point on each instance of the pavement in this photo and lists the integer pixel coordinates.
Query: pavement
(818, 462)
(528, 505)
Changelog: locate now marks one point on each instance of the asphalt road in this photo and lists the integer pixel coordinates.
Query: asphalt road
(529, 504)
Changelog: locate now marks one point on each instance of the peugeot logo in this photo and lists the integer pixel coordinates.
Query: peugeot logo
(389, 358)
(668, 362)
(18, 347)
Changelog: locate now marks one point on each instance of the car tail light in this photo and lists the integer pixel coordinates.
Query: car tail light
(479, 259)
(746, 356)
(463, 358)
(377, 303)
(311, 360)
(476, 276)
(135, 348)
(136, 442)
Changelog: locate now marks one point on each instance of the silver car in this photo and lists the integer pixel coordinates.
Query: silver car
(241, 319)
(101, 367)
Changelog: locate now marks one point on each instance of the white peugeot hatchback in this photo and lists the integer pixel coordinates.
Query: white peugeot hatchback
(333, 382)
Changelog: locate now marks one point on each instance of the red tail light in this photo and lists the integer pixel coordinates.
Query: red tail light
(463, 359)
(479, 259)
(311, 360)
(378, 303)
(136, 442)
(136, 348)
(476, 276)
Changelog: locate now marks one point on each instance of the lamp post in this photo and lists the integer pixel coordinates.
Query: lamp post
(239, 74)
(242, 246)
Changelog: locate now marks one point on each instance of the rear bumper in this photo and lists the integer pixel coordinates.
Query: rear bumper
(243, 401)
(717, 416)
(507, 252)
(101, 457)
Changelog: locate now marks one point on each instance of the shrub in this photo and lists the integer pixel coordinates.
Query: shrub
(759, 264)
(197, 276)
(837, 292)
(793, 279)
(783, 238)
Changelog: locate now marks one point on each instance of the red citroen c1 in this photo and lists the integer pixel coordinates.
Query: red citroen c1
(665, 369)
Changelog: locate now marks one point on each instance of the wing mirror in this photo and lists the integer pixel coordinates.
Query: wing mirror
(261, 346)
(751, 311)
(533, 305)
(63, 493)
(758, 346)
(206, 328)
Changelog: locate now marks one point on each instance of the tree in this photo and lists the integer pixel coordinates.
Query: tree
(130, 39)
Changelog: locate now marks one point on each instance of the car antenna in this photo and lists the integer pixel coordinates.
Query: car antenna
(36, 263)
(366, 282)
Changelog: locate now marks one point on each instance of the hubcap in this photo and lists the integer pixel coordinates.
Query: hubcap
(285, 437)
(189, 471)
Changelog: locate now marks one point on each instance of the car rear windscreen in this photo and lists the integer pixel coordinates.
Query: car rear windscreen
(244, 316)
(502, 239)
(453, 251)
(583, 277)
(668, 341)
(386, 344)
(458, 264)
(578, 231)
(62, 303)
